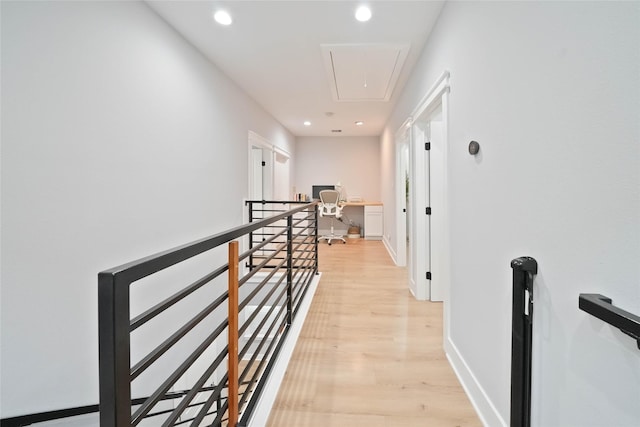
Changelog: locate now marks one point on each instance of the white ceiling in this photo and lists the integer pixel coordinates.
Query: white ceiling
(274, 51)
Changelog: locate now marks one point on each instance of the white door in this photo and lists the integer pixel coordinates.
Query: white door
(428, 247)
(261, 159)
(436, 202)
(256, 174)
(419, 243)
(426, 234)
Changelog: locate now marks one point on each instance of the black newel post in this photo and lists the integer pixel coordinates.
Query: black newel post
(524, 270)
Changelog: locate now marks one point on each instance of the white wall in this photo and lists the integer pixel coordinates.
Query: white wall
(282, 177)
(550, 90)
(118, 140)
(353, 161)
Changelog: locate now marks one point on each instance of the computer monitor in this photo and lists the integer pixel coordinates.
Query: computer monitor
(316, 189)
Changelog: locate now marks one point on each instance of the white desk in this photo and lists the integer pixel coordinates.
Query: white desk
(373, 218)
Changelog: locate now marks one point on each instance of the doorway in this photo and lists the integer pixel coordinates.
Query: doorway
(428, 231)
(256, 190)
(269, 170)
(403, 141)
(260, 168)
(428, 244)
(269, 177)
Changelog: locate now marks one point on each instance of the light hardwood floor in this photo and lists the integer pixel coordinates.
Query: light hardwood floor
(369, 354)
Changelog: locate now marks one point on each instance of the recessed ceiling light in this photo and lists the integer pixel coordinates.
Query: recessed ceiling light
(359, 123)
(222, 17)
(363, 14)
(307, 123)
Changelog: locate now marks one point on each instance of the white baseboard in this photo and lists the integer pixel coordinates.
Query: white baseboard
(487, 412)
(392, 253)
(413, 293)
(270, 391)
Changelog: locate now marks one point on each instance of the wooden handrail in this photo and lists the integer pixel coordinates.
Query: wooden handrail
(233, 333)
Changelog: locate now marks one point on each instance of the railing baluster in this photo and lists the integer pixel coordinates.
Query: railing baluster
(315, 234)
(250, 235)
(289, 269)
(233, 333)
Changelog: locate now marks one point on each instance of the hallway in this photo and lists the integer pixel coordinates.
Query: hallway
(369, 354)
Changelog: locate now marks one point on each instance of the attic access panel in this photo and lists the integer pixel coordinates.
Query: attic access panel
(363, 72)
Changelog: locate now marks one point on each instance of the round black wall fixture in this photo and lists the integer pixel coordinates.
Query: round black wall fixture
(474, 147)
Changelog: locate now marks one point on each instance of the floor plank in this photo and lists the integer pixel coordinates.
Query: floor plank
(369, 354)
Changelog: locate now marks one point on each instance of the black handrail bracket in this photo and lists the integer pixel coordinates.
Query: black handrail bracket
(601, 307)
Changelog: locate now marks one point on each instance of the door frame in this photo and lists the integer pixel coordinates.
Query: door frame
(437, 96)
(436, 168)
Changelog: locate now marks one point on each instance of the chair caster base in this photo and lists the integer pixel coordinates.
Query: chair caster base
(344, 242)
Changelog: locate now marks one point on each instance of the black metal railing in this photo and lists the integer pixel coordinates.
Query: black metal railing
(261, 209)
(601, 307)
(524, 271)
(40, 417)
(177, 346)
(71, 413)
